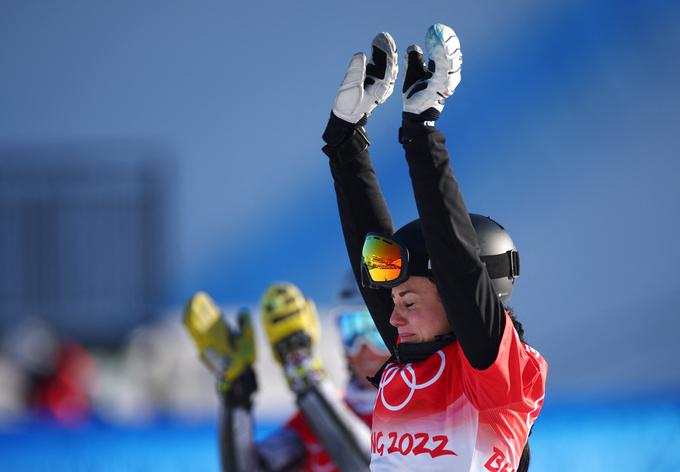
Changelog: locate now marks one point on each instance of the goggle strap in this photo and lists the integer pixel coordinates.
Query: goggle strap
(502, 265)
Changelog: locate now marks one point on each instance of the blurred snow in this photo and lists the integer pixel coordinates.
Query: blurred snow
(159, 370)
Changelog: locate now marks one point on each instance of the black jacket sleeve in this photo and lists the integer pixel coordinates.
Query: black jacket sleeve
(362, 209)
(474, 312)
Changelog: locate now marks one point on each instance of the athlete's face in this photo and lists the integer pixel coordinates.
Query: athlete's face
(418, 312)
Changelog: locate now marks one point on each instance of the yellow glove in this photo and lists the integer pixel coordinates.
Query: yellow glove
(292, 327)
(286, 311)
(228, 353)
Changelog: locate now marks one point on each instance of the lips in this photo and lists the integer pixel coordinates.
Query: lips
(406, 336)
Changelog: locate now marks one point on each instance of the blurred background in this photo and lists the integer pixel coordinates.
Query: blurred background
(150, 149)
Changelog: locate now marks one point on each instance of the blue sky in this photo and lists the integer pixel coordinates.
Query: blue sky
(564, 129)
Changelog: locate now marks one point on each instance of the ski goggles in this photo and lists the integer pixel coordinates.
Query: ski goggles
(384, 262)
(356, 328)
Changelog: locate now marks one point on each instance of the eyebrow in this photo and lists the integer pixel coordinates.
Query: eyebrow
(403, 292)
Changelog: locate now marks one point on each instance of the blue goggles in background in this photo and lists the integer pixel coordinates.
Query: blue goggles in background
(357, 328)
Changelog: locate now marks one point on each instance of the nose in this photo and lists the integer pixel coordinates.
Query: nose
(396, 318)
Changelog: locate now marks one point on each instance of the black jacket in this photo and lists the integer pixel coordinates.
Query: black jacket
(474, 312)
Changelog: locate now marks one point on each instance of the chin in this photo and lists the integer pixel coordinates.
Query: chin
(412, 338)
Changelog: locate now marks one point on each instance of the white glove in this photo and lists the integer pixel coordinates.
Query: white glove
(367, 85)
(428, 87)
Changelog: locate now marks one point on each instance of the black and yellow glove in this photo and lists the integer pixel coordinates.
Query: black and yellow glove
(227, 352)
(292, 327)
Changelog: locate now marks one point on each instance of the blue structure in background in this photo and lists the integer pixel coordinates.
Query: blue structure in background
(85, 236)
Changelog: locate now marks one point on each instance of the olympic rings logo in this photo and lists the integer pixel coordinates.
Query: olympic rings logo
(411, 383)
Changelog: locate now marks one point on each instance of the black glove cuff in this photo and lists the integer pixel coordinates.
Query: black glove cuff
(241, 392)
(411, 131)
(413, 126)
(344, 140)
(338, 130)
(431, 114)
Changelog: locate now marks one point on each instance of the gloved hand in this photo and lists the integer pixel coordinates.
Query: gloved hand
(426, 88)
(292, 327)
(229, 353)
(367, 85)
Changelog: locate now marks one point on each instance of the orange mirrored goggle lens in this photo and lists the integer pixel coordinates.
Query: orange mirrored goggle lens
(382, 259)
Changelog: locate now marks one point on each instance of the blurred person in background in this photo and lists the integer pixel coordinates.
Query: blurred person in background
(363, 346)
(55, 376)
(461, 391)
(13, 385)
(326, 433)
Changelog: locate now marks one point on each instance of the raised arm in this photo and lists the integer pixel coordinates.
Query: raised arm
(360, 201)
(472, 307)
(292, 326)
(229, 354)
